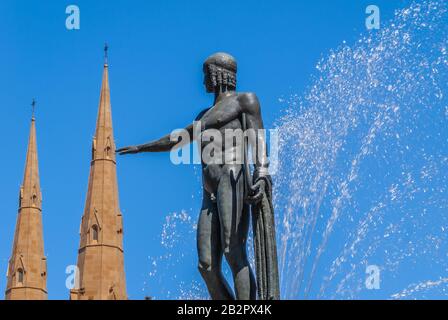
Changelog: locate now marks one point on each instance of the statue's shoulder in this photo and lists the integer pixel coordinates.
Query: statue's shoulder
(249, 101)
(201, 114)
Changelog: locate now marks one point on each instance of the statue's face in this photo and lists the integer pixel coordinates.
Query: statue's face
(208, 82)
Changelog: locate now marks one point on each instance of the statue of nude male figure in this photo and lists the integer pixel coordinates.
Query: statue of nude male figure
(225, 215)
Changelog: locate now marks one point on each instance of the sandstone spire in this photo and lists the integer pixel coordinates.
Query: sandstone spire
(100, 256)
(27, 270)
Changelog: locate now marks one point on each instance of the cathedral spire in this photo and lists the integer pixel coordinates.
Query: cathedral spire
(100, 256)
(27, 270)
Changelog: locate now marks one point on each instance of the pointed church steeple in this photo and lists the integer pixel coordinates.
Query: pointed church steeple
(27, 270)
(100, 256)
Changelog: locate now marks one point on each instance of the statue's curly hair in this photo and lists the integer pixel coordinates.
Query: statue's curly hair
(221, 77)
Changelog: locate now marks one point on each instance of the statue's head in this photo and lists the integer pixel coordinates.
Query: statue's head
(220, 72)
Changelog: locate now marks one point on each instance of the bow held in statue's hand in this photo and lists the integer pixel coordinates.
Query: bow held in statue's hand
(128, 150)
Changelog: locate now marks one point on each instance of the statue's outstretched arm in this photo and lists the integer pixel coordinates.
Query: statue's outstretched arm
(163, 144)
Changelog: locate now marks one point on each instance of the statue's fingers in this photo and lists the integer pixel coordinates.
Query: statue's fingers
(127, 150)
(256, 197)
(259, 196)
(120, 150)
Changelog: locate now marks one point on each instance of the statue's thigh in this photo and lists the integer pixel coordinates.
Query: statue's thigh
(208, 235)
(232, 216)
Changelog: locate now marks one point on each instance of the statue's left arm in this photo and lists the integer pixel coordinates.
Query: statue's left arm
(257, 142)
(254, 122)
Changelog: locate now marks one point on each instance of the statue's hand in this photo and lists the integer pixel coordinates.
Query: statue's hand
(259, 191)
(262, 186)
(128, 150)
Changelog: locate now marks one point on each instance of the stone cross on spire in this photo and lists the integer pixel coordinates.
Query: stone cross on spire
(106, 49)
(33, 108)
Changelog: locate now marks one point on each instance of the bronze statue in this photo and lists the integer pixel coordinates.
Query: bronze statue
(228, 192)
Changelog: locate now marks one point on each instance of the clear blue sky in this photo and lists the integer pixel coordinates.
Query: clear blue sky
(156, 53)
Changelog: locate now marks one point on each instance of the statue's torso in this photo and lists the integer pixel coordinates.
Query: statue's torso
(212, 172)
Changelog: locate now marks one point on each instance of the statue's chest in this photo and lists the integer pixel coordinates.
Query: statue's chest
(232, 125)
(217, 137)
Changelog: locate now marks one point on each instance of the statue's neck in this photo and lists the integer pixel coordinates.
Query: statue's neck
(221, 93)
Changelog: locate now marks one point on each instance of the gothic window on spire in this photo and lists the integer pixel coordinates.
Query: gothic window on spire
(34, 197)
(20, 277)
(20, 196)
(44, 267)
(119, 222)
(93, 148)
(95, 233)
(108, 147)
